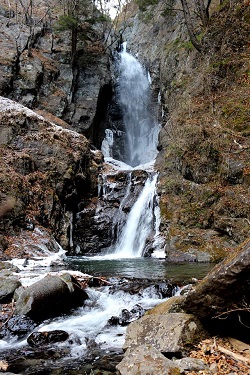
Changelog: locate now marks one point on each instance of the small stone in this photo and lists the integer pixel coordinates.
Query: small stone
(213, 368)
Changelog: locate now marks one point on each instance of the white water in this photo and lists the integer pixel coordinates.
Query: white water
(120, 217)
(89, 323)
(141, 130)
(139, 223)
(138, 114)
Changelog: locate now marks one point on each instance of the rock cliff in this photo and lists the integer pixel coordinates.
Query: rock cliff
(39, 71)
(204, 143)
(46, 172)
(48, 168)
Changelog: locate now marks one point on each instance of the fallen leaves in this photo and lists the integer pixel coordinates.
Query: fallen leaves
(221, 357)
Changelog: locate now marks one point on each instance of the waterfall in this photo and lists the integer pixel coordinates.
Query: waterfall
(120, 217)
(139, 223)
(137, 232)
(140, 123)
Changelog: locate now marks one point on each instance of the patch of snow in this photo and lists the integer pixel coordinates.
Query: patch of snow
(117, 164)
(8, 105)
(121, 166)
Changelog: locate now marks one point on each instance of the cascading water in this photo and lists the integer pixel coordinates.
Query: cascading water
(138, 114)
(141, 136)
(140, 126)
(139, 223)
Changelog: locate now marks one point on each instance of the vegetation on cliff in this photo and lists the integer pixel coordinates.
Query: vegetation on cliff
(206, 140)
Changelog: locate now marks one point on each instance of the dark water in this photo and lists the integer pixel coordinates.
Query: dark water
(145, 268)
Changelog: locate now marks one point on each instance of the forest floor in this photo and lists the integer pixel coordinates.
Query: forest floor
(224, 356)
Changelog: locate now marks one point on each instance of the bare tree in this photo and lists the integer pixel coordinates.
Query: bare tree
(202, 10)
(190, 26)
(31, 21)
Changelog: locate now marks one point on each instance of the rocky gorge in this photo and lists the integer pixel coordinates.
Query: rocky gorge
(56, 190)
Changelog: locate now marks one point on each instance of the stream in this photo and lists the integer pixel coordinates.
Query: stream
(95, 342)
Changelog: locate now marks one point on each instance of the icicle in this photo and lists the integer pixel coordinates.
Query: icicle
(71, 216)
(159, 98)
(149, 78)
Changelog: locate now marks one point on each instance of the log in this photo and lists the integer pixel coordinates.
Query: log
(240, 346)
(237, 357)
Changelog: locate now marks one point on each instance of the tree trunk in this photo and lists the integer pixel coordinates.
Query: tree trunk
(202, 11)
(190, 28)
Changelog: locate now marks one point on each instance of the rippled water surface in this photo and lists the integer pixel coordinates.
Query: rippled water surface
(145, 268)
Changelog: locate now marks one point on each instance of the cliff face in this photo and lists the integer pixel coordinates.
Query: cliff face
(47, 172)
(48, 167)
(204, 142)
(39, 69)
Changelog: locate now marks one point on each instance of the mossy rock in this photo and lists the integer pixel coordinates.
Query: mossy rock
(172, 305)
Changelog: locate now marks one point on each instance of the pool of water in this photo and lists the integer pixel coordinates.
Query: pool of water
(145, 268)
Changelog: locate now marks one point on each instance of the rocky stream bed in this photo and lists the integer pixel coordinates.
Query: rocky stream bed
(56, 321)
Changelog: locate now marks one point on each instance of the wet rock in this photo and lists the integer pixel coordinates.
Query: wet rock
(45, 338)
(7, 266)
(162, 290)
(113, 321)
(144, 287)
(97, 227)
(7, 288)
(169, 333)
(146, 360)
(127, 316)
(50, 297)
(138, 311)
(18, 326)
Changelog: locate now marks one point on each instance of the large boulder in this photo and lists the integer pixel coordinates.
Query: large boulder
(146, 360)
(224, 293)
(7, 288)
(50, 297)
(171, 333)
